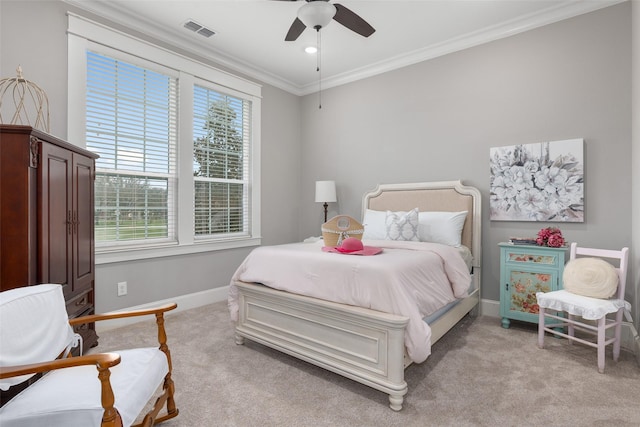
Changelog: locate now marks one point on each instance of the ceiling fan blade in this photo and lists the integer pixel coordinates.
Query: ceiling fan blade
(352, 21)
(295, 30)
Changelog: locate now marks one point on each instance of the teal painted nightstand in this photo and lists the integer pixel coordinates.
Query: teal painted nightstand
(525, 270)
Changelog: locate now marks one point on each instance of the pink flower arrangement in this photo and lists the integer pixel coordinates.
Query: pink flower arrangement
(550, 236)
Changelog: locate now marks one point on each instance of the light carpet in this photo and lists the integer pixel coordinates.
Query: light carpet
(479, 374)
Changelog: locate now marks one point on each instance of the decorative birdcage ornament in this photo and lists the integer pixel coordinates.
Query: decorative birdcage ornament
(30, 103)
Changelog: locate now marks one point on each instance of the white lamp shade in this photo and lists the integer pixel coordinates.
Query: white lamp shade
(326, 191)
(316, 14)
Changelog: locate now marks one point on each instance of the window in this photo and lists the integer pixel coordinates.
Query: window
(220, 147)
(131, 124)
(178, 142)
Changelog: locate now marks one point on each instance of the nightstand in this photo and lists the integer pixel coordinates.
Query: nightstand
(525, 270)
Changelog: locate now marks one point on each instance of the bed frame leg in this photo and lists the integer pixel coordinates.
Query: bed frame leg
(239, 339)
(395, 401)
(475, 311)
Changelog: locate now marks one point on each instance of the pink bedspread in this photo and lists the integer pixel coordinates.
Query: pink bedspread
(413, 279)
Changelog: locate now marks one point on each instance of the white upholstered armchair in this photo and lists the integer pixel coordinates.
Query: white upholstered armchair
(104, 389)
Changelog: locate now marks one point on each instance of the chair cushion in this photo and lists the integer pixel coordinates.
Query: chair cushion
(35, 327)
(591, 277)
(71, 397)
(579, 305)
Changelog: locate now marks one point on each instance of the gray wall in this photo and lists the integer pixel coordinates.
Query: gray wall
(41, 48)
(635, 226)
(436, 120)
(431, 121)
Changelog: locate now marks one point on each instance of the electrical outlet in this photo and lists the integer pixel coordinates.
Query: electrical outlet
(122, 288)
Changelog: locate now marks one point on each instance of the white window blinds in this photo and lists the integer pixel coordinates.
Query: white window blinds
(131, 122)
(221, 155)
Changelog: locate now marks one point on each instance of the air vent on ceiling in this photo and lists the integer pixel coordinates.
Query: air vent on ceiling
(197, 28)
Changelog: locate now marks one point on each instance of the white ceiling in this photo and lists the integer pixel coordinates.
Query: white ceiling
(250, 33)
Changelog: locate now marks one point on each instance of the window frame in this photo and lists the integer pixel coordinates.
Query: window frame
(83, 35)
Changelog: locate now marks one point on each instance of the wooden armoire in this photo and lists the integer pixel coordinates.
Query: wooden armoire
(46, 217)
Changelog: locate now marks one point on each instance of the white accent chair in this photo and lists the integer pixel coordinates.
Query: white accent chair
(584, 313)
(104, 389)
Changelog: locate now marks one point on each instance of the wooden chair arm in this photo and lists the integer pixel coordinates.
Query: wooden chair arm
(100, 360)
(121, 314)
(158, 311)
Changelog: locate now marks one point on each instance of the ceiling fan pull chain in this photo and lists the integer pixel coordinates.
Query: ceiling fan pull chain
(318, 63)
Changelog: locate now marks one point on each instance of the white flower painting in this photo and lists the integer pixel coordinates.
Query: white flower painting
(538, 182)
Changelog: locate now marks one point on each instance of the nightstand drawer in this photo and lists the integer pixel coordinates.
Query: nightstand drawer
(532, 255)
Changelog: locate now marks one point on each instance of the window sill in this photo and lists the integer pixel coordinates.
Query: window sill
(133, 254)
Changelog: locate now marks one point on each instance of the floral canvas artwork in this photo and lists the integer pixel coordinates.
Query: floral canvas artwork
(538, 182)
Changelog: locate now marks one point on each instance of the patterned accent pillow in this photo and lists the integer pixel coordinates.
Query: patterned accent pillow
(402, 225)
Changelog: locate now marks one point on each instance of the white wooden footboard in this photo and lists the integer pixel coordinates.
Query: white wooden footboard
(364, 345)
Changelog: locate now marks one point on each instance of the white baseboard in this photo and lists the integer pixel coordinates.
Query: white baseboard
(490, 308)
(185, 302)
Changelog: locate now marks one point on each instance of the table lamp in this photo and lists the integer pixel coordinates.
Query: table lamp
(325, 193)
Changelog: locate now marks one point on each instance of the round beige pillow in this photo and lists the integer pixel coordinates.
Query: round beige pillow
(591, 277)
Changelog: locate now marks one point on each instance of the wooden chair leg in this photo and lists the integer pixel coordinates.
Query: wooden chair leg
(571, 331)
(164, 400)
(170, 403)
(541, 328)
(601, 339)
(617, 334)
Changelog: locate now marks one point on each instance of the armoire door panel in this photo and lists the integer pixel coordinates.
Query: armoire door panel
(56, 217)
(83, 246)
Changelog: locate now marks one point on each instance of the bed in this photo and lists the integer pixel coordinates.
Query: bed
(365, 345)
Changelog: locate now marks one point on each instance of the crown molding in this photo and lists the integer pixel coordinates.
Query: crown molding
(525, 23)
(201, 49)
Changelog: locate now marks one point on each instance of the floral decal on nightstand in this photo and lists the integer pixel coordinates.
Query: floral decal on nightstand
(538, 259)
(524, 287)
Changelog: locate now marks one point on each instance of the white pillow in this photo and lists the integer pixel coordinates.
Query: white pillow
(402, 225)
(441, 227)
(374, 223)
(591, 277)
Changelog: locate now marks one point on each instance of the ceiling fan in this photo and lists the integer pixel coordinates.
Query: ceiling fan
(318, 14)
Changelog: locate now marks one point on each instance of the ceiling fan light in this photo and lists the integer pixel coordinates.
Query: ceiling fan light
(316, 14)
